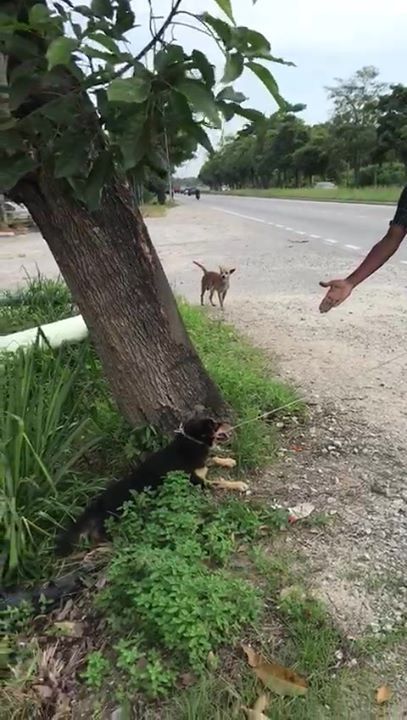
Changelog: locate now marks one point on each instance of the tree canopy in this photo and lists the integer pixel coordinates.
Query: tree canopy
(63, 60)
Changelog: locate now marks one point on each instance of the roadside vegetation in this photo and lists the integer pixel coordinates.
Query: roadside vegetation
(191, 580)
(360, 148)
(389, 194)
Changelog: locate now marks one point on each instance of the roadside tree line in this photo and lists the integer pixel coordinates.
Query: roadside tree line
(364, 142)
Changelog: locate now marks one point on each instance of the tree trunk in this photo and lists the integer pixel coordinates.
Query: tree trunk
(117, 280)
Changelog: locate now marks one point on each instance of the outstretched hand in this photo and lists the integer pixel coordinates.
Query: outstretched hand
(338, 291)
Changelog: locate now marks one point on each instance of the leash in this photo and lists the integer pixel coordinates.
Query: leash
(181, 431)
(304, 399)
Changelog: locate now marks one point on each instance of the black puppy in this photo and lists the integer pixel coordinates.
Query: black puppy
(188, 452)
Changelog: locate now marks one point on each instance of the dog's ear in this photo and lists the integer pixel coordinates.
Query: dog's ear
(232, 271)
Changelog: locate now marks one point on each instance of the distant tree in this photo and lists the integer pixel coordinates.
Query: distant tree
(355, 115)
(392, 124)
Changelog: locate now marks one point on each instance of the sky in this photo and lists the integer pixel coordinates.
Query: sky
(325, 40)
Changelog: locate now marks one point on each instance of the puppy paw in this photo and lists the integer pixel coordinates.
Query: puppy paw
(224, 462)
(235, 485)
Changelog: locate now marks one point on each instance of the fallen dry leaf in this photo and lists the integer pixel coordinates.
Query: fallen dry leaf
(44, 691)
(300, 512)
(383, 694)
(70, 629)
(257, 713)
(277, 678)
(224, 462)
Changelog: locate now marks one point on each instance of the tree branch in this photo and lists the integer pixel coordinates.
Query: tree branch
(157, 37)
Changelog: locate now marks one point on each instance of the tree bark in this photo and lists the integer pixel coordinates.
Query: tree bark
(116, 278)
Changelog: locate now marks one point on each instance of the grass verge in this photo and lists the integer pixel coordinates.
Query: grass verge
(341, 194)
(189, 576)
(62, 436)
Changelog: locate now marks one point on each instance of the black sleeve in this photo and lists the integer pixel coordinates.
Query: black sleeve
(400, 217)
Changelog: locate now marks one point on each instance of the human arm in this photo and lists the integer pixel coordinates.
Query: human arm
(339, 290)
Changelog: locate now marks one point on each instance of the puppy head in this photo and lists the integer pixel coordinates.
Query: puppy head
(225, 273)
(207, 431)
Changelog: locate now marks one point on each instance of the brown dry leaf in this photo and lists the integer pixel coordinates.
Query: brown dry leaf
(383, 694)
(70, 629)
(224, 462)
(277, 678)
(44, 691)
(257, 713)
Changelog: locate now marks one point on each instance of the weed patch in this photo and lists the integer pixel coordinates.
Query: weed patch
(169, 590)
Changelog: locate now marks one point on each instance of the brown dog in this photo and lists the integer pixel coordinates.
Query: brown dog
(215, 282)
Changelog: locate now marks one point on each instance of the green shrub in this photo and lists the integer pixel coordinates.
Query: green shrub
(169, 596)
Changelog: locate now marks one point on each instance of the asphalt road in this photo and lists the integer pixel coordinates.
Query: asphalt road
(346, 227)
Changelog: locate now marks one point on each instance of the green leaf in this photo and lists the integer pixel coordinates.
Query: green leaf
(71, 159)
(10, 139)
(125, 17)
(204, 66)
(20, 89)
(39, 14)
(250, 42)
(268, 80)
(102, 8)
(168, 56)
(226, 6)
(6, 123)
(233, 67)
(61, 110)
(13, 168)
(60, 50)
(228, 93)
(249, 113)
(221, 28)
(227, 110)
(200, 98)
(106, 41)
(84, 10)
(134, 144)
(197, 131)
(92, 52)
(129, 90)
(100, 173)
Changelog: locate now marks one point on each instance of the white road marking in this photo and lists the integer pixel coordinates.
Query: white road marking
(315, 237)
(330, 241)
(403, 262)
(279, 226)
(289, 229)
(245, 217)
(300, 232)
(353, 247)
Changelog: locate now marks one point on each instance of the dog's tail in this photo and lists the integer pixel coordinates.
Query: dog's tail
(83, 525)
(200, 266)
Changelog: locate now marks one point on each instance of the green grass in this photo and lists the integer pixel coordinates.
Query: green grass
(39, 301)
(340, 194)
(246, 383)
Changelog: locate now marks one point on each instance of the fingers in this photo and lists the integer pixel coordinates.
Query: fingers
(326, 284)
(328, 303)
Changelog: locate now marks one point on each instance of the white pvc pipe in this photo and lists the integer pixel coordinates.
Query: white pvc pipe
(71, 329)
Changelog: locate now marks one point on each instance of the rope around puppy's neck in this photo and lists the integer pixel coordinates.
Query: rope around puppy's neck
(181, 431)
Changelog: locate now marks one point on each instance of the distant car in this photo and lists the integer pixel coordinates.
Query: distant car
(16, 213)
(191, 191)
(325, 186)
